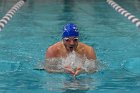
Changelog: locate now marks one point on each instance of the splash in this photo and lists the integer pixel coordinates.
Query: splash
(72, 60)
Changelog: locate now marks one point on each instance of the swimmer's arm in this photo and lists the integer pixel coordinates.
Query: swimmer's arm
(68, 69)
(92, 54)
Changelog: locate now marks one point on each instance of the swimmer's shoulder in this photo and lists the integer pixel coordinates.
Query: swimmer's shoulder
(89, 51)
(85, 47)
(54, 50)
(56, 46)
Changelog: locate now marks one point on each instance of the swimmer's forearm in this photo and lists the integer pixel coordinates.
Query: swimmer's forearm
(68, 69)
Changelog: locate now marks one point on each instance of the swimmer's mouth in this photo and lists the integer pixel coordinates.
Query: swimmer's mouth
(71, 48)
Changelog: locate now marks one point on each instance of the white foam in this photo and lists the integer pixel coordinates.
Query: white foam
(74, 61)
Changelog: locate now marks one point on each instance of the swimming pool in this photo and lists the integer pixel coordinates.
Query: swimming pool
(38, 24)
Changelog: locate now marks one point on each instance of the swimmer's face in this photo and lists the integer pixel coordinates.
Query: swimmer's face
(70, 43)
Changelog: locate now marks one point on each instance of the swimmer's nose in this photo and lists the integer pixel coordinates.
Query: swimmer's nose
(71, 42)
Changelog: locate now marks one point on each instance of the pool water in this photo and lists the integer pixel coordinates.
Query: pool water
(38, 24)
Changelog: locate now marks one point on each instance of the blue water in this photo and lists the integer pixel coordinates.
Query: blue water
(38, 24)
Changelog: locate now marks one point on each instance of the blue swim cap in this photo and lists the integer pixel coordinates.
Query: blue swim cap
(70, 30)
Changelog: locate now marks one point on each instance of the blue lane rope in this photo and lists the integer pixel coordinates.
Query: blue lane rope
(10, 13)
(124, 12)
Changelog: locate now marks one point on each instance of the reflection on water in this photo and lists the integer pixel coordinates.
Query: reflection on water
(66, 83)
(78, 84)
(100, 81)
(117, 79)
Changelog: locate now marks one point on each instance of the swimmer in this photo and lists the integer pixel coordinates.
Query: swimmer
(70, 42)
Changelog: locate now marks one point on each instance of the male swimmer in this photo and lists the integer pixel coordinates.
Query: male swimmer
(70, 42)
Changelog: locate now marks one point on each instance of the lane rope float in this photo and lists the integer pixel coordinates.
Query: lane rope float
(10, 13)
(124, 12)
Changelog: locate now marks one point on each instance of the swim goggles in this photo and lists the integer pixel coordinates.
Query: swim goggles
(75, 39)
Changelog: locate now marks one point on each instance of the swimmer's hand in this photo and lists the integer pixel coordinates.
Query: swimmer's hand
(68, 69)
(78, 70)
